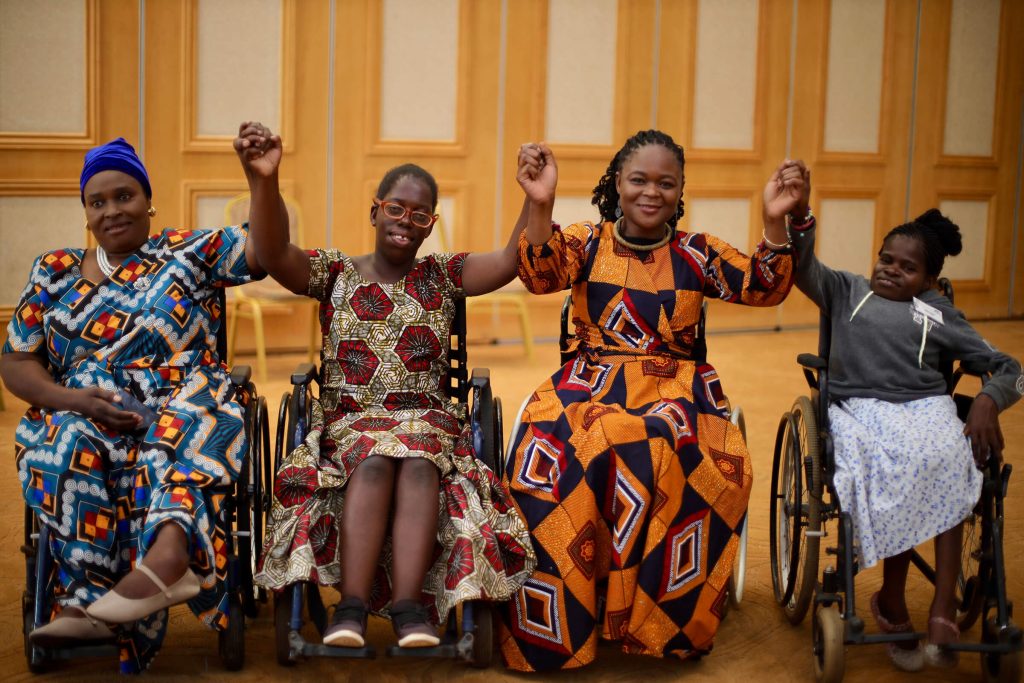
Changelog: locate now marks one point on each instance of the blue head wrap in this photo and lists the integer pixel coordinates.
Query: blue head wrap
(116, 155)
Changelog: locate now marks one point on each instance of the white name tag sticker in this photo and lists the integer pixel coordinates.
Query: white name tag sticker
(928, 311)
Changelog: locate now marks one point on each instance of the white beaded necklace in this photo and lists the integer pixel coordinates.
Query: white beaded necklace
(103, 262)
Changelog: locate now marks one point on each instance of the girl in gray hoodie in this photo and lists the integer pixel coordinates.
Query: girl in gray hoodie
(907, 469)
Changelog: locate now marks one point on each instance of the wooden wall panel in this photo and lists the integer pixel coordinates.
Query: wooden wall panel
(992, 178)
(923, 153)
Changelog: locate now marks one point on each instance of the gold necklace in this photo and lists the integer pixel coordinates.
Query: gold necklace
(617, 234)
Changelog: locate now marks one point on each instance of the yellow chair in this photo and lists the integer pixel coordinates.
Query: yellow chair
(513, 295)
(267, 297)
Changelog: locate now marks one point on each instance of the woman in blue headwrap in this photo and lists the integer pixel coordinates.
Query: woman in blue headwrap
(133, 419)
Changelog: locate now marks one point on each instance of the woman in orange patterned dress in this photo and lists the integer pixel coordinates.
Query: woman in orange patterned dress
(631, 477)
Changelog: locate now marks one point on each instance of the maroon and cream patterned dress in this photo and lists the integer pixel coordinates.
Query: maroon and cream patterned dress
(384, 363)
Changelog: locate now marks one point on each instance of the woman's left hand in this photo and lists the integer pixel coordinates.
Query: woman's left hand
(788, 190)
(258, 149)
(982, 428)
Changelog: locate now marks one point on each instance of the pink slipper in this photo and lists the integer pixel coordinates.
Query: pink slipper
(938, 656)
(903, 659)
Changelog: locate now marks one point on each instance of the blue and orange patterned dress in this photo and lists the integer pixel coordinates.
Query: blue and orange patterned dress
(382, 394)
(631, 477)
(149, 329)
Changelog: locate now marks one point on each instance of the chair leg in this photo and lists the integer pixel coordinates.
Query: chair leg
(261, 342)
(233, 309)
(313, 350)
(524, 325)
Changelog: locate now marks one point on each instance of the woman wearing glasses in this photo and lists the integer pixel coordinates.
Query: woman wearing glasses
(385, 439)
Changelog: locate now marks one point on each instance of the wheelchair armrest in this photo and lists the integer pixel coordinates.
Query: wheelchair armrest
(304, 374)
(974, 369)
(812, 361)
(481, 378)
(240, 375)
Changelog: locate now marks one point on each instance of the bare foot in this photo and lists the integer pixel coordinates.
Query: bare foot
(168, 557)
(942, 629)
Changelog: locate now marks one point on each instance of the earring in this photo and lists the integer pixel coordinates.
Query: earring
(151, 211)
(618, 210)
(87, 225)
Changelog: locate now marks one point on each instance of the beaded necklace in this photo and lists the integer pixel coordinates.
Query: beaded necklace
(617, 233)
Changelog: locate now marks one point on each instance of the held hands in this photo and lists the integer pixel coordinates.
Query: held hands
(787, 191)
(982, 428)
(537, 173)
(103, 407)
(258, 149)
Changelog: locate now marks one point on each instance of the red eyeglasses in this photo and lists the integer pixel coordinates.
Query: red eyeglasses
(397, 212)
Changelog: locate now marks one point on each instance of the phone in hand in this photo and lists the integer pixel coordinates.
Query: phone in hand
(134, 405)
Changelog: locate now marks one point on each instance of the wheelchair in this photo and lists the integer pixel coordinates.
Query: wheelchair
(469, 636)
(804, 503)
(241, 520)
(567, 350)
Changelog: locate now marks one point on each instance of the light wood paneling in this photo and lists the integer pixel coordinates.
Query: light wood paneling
(938, 176)
(51, 42)
(725, 83)
(854, 77)
(419, 70)
(580, 108)
(971, 92)
(846, 239)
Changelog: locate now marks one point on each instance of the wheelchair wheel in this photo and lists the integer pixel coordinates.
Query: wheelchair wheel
(996, 667)
(499, 439)
(829, 655)
(795, 514)
(739, 566)
(488, 454)
(282, 624)
(483, 636)
(969, 584)
(34, 657)
(739, 569)
(232, 638)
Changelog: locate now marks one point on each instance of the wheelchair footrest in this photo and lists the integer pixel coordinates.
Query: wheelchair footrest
(298, 646)
(444, 651)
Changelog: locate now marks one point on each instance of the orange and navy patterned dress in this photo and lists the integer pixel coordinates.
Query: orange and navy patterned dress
(631, 477)
(149, 329)
(382, 394)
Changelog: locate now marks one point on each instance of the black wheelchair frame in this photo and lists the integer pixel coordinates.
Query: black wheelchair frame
(241, 517)
(803, 500)
(476, 642)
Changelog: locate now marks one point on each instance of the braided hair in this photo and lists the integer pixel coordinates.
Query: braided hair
(939, 237)
(392, 177)
(606, 197)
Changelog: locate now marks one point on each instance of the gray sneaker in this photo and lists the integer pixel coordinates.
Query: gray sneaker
(412, 626)
(348, 624)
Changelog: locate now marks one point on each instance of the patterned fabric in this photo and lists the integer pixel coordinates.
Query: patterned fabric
(904, 471)
(147, 329)
(630, 476)
(381, 393)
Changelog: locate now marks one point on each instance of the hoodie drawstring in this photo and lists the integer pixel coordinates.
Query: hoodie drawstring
(862, 302)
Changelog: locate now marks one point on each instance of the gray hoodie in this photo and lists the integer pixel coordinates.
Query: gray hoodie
(888, 349)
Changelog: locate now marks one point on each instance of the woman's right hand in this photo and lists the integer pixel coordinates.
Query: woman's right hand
(537, 173)
(99, 406)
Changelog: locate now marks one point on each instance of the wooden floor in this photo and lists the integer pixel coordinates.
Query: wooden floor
(755, 642)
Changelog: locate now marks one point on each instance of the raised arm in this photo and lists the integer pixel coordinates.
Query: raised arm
(487, 271)
(538, 176)
(260, 153)
(788, 191)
